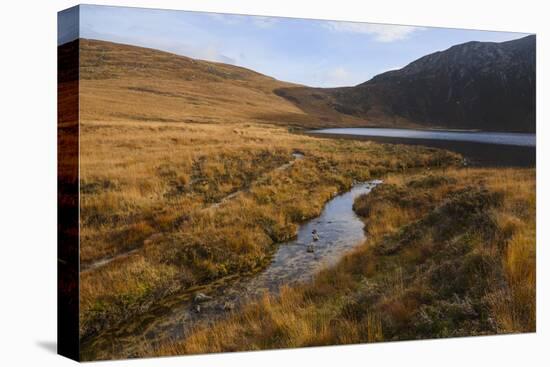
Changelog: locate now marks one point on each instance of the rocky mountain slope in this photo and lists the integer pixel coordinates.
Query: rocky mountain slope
(475, 85)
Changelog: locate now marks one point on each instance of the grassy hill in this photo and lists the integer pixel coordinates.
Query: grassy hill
(121, 82)
(476, 85)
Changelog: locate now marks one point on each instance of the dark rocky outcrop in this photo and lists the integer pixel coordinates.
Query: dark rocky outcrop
(475, 85)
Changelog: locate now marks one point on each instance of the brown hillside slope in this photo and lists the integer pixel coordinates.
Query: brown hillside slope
(122, 82)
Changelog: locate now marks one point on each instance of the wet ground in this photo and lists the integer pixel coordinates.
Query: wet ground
(320, 242)
(86, 267)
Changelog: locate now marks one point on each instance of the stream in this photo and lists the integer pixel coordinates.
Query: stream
(320, 242)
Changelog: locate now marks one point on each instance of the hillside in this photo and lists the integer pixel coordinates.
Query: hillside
(123, 82)
(475, 85)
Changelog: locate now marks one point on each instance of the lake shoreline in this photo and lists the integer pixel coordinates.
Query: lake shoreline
(429, 129)
(475, 153)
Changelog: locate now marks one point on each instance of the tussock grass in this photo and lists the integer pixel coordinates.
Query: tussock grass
(164, 139)
(151, 187)
(462, 262)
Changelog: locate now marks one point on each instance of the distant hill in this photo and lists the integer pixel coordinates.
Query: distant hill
(123, 82)
(475, 85)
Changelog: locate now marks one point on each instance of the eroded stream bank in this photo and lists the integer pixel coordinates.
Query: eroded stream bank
(320, 242)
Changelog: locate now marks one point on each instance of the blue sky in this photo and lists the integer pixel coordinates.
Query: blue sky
(311, 52)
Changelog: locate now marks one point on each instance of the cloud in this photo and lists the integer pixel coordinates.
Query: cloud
(338, 76)
(234, 19)
(380, 32)
(210, 52)
(339, 73)
(226, 18)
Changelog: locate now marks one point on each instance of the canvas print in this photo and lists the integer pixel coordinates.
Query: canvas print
(236, 182)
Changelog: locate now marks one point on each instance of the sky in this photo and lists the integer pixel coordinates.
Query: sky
(316, 53)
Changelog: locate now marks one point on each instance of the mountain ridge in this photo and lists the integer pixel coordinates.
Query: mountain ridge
(475, 85)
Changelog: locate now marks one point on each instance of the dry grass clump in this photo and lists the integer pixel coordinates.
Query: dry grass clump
(461, 263)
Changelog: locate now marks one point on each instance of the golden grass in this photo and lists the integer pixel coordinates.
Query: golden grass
(165, 138)
(120, 82)
(152, 186)
(375, 294)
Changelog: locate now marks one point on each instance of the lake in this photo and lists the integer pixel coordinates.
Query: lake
(480, 148)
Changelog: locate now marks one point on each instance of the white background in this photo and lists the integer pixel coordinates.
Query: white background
(28, 182)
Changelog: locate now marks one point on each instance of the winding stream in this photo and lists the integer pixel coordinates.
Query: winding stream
(320, 242)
